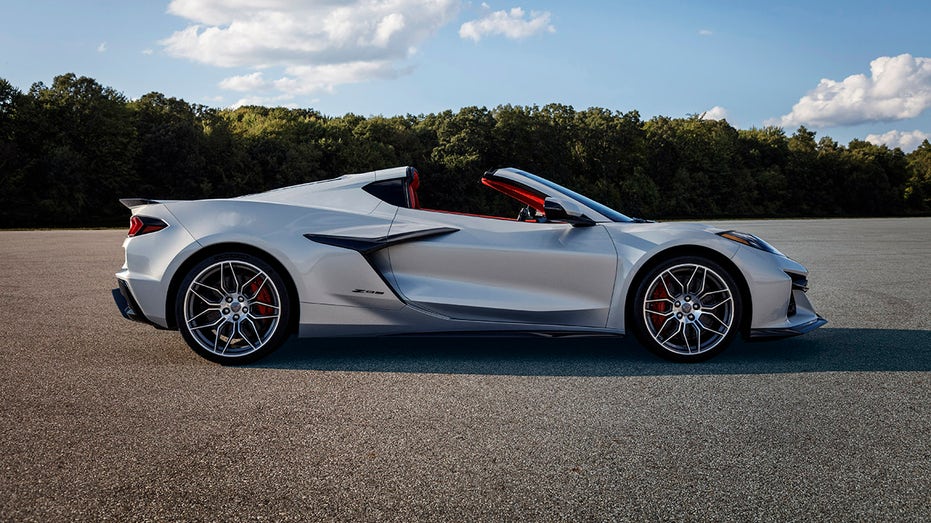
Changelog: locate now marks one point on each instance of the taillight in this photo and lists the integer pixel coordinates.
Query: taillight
(139, 225)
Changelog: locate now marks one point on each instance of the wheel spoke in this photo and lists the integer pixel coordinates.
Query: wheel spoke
(712, 316)
(214, 324)
(685, 337)
(242, 290)
(204, 285)
(201, 313)
(716, 305)
(216, 340)
(269, 305)
(671, 336)
(655, 333)
(704, 278)
(716, 318)
(709, 329)
(258, 337)
(259, 289)
(229, 339)
(662, 279)
(709, 293)
(205, 300)
(235, 279)
(659, 300)
(689, 284)
(673, 276)
(658, 313)
(224, 278)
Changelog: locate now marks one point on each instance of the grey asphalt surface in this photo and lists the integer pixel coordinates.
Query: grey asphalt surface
(104, 419)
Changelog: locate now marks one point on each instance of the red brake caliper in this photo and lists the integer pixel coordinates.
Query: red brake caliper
(263, 296)
(659, 306)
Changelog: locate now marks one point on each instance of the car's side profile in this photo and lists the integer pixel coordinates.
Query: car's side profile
(358, 255)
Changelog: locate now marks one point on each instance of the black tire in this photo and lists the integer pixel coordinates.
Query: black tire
(687, 309)
(233, 308)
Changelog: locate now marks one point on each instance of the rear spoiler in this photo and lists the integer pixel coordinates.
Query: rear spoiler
(129, 203)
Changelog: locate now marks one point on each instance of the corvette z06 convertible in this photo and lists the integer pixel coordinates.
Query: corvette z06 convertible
(358, 255)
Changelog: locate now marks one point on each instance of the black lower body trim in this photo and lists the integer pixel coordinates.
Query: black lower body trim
(788, 331)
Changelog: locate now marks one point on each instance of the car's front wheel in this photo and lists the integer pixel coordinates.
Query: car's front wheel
(233, 308)
(687, 309)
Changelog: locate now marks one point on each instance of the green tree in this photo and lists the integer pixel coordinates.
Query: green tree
(918, 186)
(13, 202)
(463, 151)
(692, 163)
(170, 162)
(874, 181)
(277, 147)
(69, 150)
(807, 186)
(763, 158)
(80, 147)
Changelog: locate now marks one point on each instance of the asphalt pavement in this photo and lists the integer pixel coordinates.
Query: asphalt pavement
(104, 419)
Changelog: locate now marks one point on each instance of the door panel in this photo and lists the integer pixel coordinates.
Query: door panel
(505, 270)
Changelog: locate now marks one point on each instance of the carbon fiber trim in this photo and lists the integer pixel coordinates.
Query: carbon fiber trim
(788, 331)
(367, 246)
(129, 203)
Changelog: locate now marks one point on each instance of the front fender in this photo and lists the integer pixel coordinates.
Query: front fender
(639, 246)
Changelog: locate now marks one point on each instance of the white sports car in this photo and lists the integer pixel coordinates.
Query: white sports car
(357, 255)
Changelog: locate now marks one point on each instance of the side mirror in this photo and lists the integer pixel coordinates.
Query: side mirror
(568, 211)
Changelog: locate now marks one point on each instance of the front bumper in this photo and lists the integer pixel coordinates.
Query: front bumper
(778, 291)
(800, 315)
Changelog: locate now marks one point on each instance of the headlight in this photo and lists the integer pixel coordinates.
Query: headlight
(750, 241)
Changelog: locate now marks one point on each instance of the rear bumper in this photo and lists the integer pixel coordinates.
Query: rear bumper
(128, 306)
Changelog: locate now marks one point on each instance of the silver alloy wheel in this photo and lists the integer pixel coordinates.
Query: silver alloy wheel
(232, 308)
(688, 309)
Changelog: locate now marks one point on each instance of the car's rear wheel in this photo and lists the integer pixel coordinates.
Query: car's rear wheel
(687, 309)
(233, 308)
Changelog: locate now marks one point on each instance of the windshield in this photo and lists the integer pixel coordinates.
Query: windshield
(584, 200)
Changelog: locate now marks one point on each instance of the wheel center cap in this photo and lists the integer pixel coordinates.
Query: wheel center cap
(686, 308)
(235, 306)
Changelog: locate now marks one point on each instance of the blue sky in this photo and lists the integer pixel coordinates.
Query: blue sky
(845, 69)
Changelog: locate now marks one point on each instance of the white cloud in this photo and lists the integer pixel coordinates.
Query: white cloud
(715, 113)
(267, 101)
(908, 141)
(244, 83)
(147, 52)
(510, 24)
(705, 32)
(898, 87)
(102, 48)
(307, 79)
(318, 44)
(387, 28)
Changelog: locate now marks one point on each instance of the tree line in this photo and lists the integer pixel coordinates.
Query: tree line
(69, 150)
